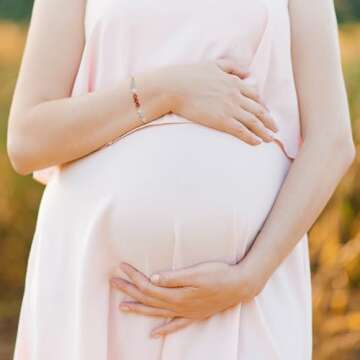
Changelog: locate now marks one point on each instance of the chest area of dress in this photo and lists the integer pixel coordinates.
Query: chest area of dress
(181, 23)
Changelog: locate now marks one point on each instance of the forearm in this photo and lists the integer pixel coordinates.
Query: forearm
(310, 182)
(61, 130)
(328, 148)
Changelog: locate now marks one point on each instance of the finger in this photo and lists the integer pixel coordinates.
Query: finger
(254, 125)
(136, 276)
(246, 90)
(230, 66)
(130, 306)
(250, 91)
(148, 288)
(234, 127)
(171, 326)
(131, 290)
(175, 278)
(260, 112)
(159, 297)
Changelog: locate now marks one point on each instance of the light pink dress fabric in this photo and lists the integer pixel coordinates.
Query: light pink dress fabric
(169, 194)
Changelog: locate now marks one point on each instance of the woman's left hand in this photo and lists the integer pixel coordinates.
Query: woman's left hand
(187, 294)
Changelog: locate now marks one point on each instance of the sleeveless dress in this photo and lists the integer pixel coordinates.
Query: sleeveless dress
(168, 194)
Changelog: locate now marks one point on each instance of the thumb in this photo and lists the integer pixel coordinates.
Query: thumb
(231, 66)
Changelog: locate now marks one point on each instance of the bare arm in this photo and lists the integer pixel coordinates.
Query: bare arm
(328, 148)
(190, 293)
(46, 125)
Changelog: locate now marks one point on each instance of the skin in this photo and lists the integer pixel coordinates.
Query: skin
(47, 127)
(328, 150)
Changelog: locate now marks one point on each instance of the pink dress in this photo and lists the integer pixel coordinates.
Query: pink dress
(169, 194)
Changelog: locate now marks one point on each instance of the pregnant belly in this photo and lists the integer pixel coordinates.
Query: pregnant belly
(172, 195)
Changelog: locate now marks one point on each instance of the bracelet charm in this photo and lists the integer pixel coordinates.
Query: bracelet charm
(135, 96)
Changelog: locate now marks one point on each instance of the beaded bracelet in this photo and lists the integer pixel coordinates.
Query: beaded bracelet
(136, 100)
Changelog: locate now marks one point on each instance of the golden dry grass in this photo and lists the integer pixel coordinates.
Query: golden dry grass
(334, 239)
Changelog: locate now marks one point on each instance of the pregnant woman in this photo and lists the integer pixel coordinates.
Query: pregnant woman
(182, 139)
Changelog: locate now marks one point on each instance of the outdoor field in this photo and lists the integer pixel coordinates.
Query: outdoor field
(334, 239)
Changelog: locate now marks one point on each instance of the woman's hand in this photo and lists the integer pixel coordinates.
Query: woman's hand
(188, 294)
(215, 94)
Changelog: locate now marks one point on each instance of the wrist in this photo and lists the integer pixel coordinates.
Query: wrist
(154, 93)
(167, 87)
(250, 277)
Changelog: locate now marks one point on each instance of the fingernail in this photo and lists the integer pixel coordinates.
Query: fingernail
(270, 133)
(113, 282)
(124, 307)
(275, 125)
(155, 278)
(274, 121)
(117, 283)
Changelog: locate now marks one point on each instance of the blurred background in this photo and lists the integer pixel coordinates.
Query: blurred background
(334, 239)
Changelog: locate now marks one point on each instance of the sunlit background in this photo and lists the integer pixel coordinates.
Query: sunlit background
(334, 240)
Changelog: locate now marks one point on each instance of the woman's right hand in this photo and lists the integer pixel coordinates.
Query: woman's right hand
(214, 94)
